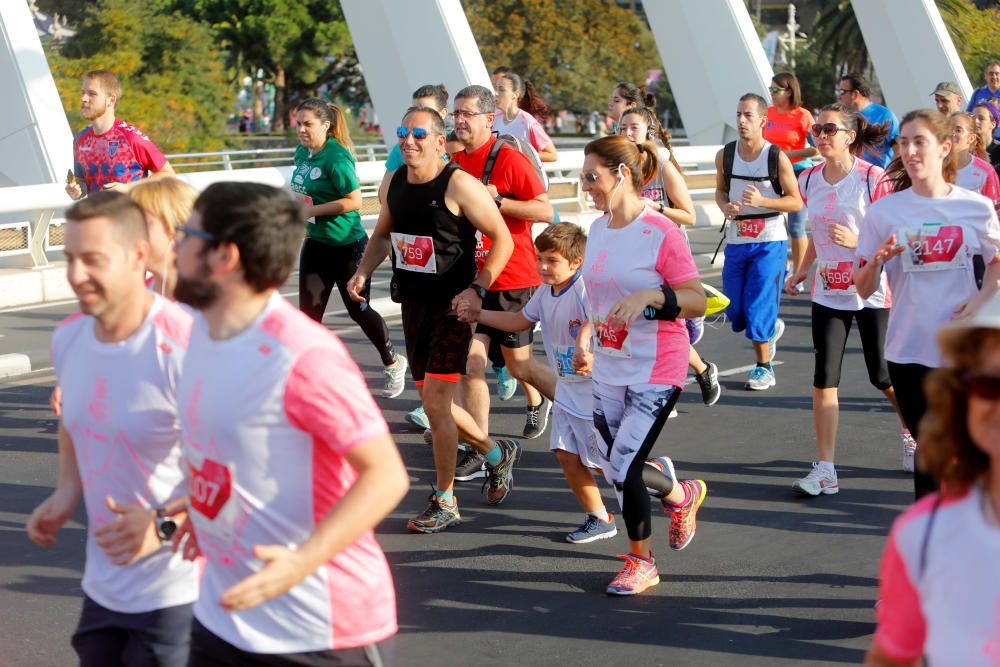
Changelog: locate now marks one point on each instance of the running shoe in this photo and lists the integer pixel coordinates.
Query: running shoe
(708, 380)
(428, 437)
(418, 417)
(683, 523)
(500, 478)
(665, 465)
(395, 378)
(471, 465)
(673, 413)
(760, 379)
(438, 516)
(816, 482)
(909, 451)
(636, 575)
(593, 529)
(772, 342)
(537, 419)
(696, 329)
(506, 384)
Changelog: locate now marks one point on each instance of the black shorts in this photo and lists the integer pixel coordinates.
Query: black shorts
(830, 328)
(437, 344)
(158, 638)
(507, 301)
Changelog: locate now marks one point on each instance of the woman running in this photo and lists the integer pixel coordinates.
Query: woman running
(636, 261)
(335, 240)
(986, 117)
(788, 125)
(837, 194)
(924, 235)
(974, 172)
(667, 194)
(939, 586)
(167, 202)
(519, 111)
(625, 96)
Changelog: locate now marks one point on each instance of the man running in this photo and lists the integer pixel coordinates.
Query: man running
(520, 197)
(110, 153)
(991, 91)
(855, 94)
(947, 97)
(290, 463)
(117, 362)
(757, 241)
(433, 210)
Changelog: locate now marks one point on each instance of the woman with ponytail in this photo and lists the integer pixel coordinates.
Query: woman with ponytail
(519, 110)
(335, 240)
(641, 283)
(923, 236)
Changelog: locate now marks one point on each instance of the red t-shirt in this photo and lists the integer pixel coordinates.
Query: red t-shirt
(123, 154)
(513, 176)
(788, 131)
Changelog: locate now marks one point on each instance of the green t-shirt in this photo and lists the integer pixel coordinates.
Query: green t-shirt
(325, 177)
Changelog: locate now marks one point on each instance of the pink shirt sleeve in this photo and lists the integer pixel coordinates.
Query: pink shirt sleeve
(901, 630)
(539, 137)
(881, 186)
(674, 261)
(146, 152)
(991, 188)
(326, 396)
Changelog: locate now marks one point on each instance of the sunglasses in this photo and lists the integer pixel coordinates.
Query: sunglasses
(777, 89)
(589, 176)
(182, 232)
(467, 114)
(843, 91)
(983, 386)
(418, 133)
(827, 128)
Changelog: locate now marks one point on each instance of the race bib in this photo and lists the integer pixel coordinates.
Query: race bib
(837, 278)
(308, 201)
(564, 364)
(934, 246)
(414, 253)
(612, 339)
(750, 228)
(210, 487)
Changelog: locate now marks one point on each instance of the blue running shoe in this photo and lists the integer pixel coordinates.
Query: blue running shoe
(506, 385)
(760, 379)
(593, 529)
(418, 417)
(696, 329)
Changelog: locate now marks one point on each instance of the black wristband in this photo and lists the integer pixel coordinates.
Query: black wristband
(670, 309)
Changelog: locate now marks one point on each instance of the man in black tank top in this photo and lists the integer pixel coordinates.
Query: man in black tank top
(433, 210)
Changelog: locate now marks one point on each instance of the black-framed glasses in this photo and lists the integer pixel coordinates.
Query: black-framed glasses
(458, 113)
(418, 133)
(843, 91)
(181, 232)
(777, 89)
(829, 129)
(589, 176)
(983, 386)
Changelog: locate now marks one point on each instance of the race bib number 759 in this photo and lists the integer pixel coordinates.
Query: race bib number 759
(414, 253)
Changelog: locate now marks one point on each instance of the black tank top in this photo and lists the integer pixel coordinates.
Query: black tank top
(433, 250)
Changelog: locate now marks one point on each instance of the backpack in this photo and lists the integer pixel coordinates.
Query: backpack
(729, 156)
(522, 147)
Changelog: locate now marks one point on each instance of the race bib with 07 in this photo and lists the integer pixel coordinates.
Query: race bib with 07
(414, 253)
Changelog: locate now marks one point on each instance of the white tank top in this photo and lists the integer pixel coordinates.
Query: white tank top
(754, 230)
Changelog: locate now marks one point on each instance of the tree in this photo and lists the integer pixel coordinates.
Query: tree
(171, 73)
(574, 52)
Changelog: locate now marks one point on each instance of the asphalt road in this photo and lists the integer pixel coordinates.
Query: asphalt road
(770, 579)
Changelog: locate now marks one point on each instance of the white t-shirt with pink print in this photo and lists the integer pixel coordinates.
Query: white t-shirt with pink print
(120, 410)
(980, 177)
(646, 253)
(268, 416)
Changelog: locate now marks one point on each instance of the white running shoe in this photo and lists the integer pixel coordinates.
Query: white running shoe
(772, 342)
(909, 451)
(760, 379)
(395, 378)
(816, 482)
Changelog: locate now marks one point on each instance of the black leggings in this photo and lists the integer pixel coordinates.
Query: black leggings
(322, 266)
(908, 383)
(830, 328)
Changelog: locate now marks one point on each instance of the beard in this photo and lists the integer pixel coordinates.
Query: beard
(198, 291)
(93, 112)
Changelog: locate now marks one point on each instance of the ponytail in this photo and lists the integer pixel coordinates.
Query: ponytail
(329, 113)
(640, 158)
(868, 135)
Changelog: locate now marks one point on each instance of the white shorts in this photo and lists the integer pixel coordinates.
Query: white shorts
(576, 435)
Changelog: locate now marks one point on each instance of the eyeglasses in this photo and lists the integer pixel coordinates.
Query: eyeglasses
(181, 232)
(458, 113)
(418, 133)
(777, 89)
(827, 128)
(843, 91)
(983, 386)
(589, 176)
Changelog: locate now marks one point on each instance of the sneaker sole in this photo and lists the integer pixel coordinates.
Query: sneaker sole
(417, 422)
(479, 474)
(824, 491)
(697, 506)
(593, 538)
(414, 528)
(624, 593)
(749, 387)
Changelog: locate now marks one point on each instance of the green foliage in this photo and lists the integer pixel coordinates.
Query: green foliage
(173, 85)
(976, 33)
(574, 52)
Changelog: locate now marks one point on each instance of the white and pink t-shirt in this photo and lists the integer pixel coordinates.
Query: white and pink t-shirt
(979, 176)
(644, 254)
(524, 126)
(268, 416)
(120, 410)
(842, 203)
(934, 273)
(942, 602)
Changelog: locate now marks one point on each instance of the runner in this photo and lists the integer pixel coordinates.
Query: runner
(429, 224)
(788, 125)
(974, 172)
(668, 195)
(625, 96)
(951, 537)
(335, 240)
(110, 153)
(947, 97)
(991, 91)
(838, 193)
(986, 116)
(518, 112)
(757, 241)
(167, 202)
(637, 263)
(118, 362)
(289, 461)
(855, 94)
(924, 234)
(520, 197)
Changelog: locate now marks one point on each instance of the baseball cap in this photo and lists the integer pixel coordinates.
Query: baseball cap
(987, 317)
(947, 88)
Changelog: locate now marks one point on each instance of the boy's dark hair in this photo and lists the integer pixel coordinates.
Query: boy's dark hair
(264, 222)
(565, 238)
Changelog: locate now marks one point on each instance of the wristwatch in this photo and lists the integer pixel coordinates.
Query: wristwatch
(499, 200)
(479, 290)
(165, 525)
(660, 207)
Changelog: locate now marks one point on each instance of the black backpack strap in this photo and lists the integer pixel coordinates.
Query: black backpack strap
(728, 156)
(773, 155)
(926, 539)
(491, 160)
(868, 182)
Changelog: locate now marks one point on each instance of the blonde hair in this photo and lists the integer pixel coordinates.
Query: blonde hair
(168, 199)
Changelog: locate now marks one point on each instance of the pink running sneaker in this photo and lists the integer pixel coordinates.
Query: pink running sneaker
(636, 575)
(683, 522)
